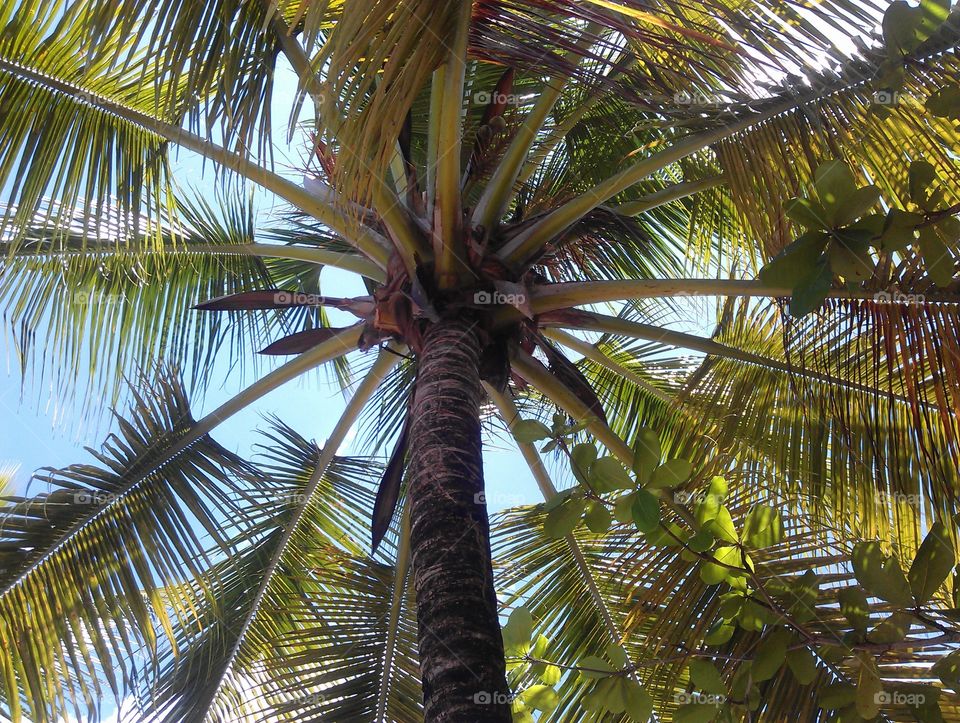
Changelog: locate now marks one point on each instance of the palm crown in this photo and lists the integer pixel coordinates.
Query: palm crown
(495, 173)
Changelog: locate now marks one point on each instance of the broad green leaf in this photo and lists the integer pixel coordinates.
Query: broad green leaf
(519, 628)
(856, 205)
(696, 713)
(806, 212)
(660, 537)
(703, 540)
(945, 103)
(708, 505)
(706, 677)
(594, 702)
(564, 519)
(880, 576)
(646, 511)
(582, 458)
(835, 184)
(639, 703)
(607, 474)
(921, 176)
(803, 665)
(869, 686)
(712, 573)
(899, 229)
(893, 629)
(720, 633)
(796, 263)
(531, 430)
(809, 294)
(901, 27)
(616, 690)
(850, 257)
(763, 527)
(948, 670)
(558, 499)
(837, 695)
(616, 655)
(540, 645)
(594, 667)
(722, 528)
(623, 507)
(803, 600)
(540, 697)
(932, 565)
(646, 454)
(550, 675)
(771, 654)
(670, 474)
(936, 256)
(854, 606)
(923, 701)
(597, 517)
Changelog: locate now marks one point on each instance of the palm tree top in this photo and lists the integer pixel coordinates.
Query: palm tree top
(532, 193)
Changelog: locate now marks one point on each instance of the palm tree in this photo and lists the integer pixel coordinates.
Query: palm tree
(495, 172)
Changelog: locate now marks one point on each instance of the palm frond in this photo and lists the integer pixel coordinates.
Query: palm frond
(113, 309)
(314, 643)
(84, 563)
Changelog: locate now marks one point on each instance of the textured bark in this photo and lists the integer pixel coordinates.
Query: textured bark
(461, 650)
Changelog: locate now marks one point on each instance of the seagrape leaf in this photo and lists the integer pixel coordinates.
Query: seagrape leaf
(594, 667)
(881, 576)
(809, 294)
(803, 665)
(834, 183)
(763, 527)
(933, 563)
(936, 256)
(531, 430)
(646, 454)
(771, 654)
(607, 474)
(564, 519)
(646, 511)
(948, 670)
(706, 677)
(893, 629)
(806, 212)
(920, 178)
(540, 697)
(854, 606)
(597, 517)
(796, 263)
(518, 629)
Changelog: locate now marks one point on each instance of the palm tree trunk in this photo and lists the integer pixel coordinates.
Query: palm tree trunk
(461, 650)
